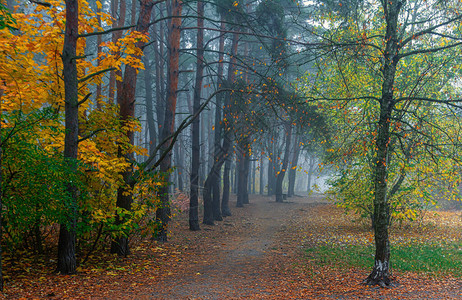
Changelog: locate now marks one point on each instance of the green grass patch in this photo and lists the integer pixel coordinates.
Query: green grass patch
(426, 258)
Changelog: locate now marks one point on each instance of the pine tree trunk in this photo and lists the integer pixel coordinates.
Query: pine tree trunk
(292, 171)
(212, 209)
(126, 101)
(246, 180)
(225, 211)
(67, 234)
(270, 176)
(285, 162)
(120, 16)
(149, 103)
(310, 174)
(195, 154)
(163, 211)
(262, 172)
(99, 41)
(1, 193)
(160, 107)
(240, 179)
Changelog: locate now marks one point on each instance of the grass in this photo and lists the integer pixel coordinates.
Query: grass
(425, 258)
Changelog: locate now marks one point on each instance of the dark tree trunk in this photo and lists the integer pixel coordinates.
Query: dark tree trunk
(120, 16)
(310, 173)
(235, 176)
(67, 231)
(1, 193)
(254, 176)
(149, 104)
(270, 176)
(99, 41)
(231, 176)
(179, 164)
(272, 166)
(225, 211)
(160, 107)
(242, 183)
(245, 181)
(380, 274)
(195, 154)
(163, 211)
(285, 162)
(212, 209)
(292, 171)
(217, 138)
(262, 186)
(126, 101)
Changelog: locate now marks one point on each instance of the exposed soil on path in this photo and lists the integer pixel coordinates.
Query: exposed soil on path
(240, 257)
(258, 253)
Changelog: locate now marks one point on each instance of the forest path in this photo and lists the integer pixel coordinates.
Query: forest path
(241, 256)
(258, 253)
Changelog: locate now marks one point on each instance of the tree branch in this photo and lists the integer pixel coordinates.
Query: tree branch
(95, 74)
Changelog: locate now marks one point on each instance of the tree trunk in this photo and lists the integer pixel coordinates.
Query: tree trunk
(380, 274)
(262, 186)
(67, 231)
(292, 171)
(285, 162)
(149, 103)
(1, 193)
(179, 164)
(212, 209)
(160, 107)
(310, 173)
(271, 175)
(113, 83)
(225, 211)
(99, 41)
(195, 152)
(242, 181)
(163, 211)
(246, 180)
(126, 101)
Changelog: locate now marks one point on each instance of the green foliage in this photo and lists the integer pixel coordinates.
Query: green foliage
(6, 19)
(35, 182)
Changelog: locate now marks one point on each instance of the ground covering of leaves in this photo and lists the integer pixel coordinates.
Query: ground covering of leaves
(258, 253)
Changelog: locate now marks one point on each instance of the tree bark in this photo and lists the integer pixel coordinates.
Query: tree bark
(261, 175)
(212, 209)
(126, 101)
(149, 103)
(310, 173)
(99, 41)
(240, 179)
(285, 162)
(1, 193)
(67, 231)
(195, 131)
(160, 107)
(225, 211)
(113, 83)
(292, 171)
(163, 211)
(380, 274)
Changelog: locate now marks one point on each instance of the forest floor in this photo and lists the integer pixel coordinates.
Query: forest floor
(258, 253)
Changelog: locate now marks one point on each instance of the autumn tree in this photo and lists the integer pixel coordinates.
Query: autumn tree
(384, 38)
(126, 101)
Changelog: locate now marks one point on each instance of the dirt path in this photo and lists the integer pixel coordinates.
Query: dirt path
(258, 253)
(239, 257)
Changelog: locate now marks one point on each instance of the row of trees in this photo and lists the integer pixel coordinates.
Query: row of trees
(84, 150)
(93, 123)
